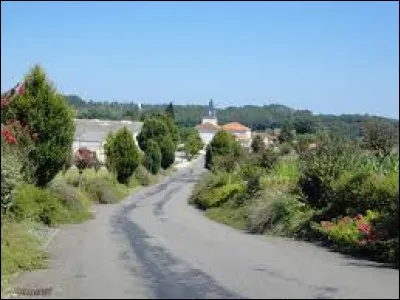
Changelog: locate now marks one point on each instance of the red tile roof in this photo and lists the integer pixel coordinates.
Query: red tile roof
(235, 126)
(208, 126)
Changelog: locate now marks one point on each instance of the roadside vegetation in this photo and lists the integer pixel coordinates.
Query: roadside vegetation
(44, 184)
(315, 186)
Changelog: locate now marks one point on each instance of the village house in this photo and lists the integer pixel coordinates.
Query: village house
(241, 132)
(91, 133)
(209, 127)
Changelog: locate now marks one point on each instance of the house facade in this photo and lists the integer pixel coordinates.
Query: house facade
(241, 132)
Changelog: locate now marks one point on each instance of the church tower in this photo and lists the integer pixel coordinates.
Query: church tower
(211, 109)
(211, 116)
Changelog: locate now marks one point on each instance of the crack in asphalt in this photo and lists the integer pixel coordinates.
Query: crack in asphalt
(169, 277)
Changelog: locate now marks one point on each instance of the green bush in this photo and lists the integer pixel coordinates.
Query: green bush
(222, 144)
(205, 184)
(48, 115)
(143, 176)
(359, 191)
(278, 213)
(100, 187)
(173, 129)
(224, 163)
(122, 154)
(257, 145)
(268, 158)
(167, 149)
(102, 191)
(380, 136)
(321, 166)
(71, 197)
(216, 196)
(37, 204)
(153, 129)
(251, 174)
(153, 157)
(303, 142)
(193, 144)
(285, 148)
(286, 134)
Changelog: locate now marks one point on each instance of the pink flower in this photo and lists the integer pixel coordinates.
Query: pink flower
(365, 228)
(8, 136)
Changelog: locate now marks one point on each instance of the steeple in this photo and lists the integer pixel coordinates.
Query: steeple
(210, 116)
(211, 109)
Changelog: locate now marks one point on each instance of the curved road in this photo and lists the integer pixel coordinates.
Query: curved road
(154, 245)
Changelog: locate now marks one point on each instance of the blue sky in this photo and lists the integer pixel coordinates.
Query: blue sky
(328, 57)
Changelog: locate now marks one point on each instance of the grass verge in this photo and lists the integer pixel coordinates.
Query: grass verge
(21, 251)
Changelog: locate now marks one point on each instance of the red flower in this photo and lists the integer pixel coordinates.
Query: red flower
(11, 140)
(8, 136)
(365, 228)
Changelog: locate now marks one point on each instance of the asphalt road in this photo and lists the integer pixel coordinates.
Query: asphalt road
(154, 245)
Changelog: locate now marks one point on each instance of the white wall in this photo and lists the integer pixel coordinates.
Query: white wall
(207, 137)
(243, 134)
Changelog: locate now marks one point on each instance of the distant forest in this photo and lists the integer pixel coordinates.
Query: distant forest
(257, 118)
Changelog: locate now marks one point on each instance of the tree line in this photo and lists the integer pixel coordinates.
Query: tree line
(258, 118)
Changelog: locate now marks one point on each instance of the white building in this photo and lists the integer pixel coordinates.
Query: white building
(241, 132)
(207, 131)
(209, 124)
(209, 127)
(91, 133)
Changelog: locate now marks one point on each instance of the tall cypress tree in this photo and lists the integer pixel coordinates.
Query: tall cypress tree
(170, 111)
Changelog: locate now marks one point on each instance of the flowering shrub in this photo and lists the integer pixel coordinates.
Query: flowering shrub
(47, 114)
(10, 178)
(6, 133)
(85, 158)
(349, 231)
(11, 162)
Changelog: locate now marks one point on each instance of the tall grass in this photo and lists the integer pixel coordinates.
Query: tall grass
(20, 251)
